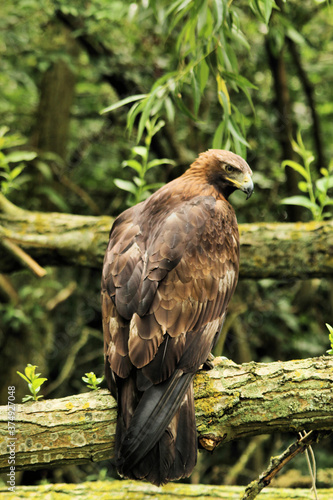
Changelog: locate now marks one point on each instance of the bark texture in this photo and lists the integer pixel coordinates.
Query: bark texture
(231, 401)
(275, 250)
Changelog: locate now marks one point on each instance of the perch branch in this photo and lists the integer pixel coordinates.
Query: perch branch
(275, 250)
(232, 401)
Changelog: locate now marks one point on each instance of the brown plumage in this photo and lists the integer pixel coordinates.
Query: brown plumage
(169, 272)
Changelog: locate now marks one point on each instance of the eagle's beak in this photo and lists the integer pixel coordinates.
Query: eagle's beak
(247, 186)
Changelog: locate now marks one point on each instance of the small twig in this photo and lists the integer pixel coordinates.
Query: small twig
(311, 465)
(277, 463)
(8, 290)
(236, 470)
(69, 364)
(80, 192)
(62, 296)
(23, 257)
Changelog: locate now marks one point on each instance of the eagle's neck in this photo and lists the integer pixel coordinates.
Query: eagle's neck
(201, 180)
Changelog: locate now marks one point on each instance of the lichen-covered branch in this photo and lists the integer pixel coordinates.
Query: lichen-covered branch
(232, 401)
(137, 490)
(277, 250)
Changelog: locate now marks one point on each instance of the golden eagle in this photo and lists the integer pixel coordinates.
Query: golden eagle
(170, 270)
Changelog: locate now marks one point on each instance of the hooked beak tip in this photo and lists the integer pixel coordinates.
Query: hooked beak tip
(248, 188)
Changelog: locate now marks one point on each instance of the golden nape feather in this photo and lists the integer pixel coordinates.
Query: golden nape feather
(170, 270)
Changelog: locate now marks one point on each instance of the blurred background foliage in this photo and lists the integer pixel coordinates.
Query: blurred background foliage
(235, 75)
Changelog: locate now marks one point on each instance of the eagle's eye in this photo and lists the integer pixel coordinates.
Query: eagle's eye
(229, 169)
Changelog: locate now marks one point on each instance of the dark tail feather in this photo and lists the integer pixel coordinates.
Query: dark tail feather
(160, 443)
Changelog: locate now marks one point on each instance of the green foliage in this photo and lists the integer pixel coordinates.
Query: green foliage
(317, 198)
(139, 188)
(207, 35)
(12, 163)
(92, 381)
(194, 64)
(263, 8)
(33, 381)
(330, 329)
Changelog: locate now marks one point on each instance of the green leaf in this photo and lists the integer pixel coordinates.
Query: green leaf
(26, 398)
(301, 201)
(162, 161)
(203, 75)
(233, 129)
(324, 183)
(133, 164)
(17, 156)
(154, 186)
(295, 35)
(169, 109)
(330, 328)
(123, 102)
(218, 136)
(196, 93)
(297, 167)
(218, 10)
(38, 382)
(157, 127)
(125, 185)
(303, 186)
(184, 109)
(140, 151)
(54, 197)
(139, 182)
(149, 103)
(30, 371)
(327, 202)
(132, 114)
(44, 169)
(23, 376)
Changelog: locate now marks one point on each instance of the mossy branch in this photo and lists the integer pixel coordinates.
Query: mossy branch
(137, 490)
(276, 250)
(232, 401)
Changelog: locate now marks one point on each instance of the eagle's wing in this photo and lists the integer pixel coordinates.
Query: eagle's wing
(166, 284)
(166, 287)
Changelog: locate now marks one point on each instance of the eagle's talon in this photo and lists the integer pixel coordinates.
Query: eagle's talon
(209, 363)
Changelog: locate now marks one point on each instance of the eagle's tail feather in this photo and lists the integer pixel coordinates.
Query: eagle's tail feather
(160, 442)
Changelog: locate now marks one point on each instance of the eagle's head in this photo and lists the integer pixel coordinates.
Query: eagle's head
(227, 172)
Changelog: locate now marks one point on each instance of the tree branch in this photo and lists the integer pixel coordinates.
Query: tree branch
(276, 250)
(277, 463)
(139, 490)
(232, 401)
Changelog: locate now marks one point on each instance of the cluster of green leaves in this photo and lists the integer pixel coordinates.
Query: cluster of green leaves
(92, 381)
(139, 187)
(12, 163)
(317, 191)
(207, 35)
(34, 382)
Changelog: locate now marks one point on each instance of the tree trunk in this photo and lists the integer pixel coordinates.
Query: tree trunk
(275, 250)
(231, 401)
(284, 113)
(56, 95)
